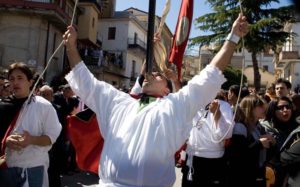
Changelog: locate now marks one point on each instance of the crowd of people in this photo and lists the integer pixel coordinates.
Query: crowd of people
(223, 139)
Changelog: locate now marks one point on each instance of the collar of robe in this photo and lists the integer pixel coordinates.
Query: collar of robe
(145, 100)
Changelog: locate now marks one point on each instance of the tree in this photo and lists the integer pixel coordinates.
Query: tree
(266, 26)
(233, 76)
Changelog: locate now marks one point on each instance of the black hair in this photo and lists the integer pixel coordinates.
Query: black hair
(270, 113)
(22, 67)
(169, 85)
(235, 89)
(284, 81)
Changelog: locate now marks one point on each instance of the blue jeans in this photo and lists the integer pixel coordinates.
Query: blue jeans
(35, 176)
(13, 177)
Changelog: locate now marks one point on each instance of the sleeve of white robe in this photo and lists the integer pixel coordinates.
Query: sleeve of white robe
(223, 129)
(99, 96)
(51, 126)
(185, 103)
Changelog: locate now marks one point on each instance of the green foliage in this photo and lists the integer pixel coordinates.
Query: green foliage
(233, 76)
(266, 24)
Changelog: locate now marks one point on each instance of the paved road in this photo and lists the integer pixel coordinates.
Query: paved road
(84, 179)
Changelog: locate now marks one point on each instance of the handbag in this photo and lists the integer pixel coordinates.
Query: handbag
(8, 131)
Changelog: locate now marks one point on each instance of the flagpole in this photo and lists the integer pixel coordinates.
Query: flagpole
(150, 35)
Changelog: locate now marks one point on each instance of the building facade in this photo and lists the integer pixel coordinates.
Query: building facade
(287, 66)
(124, 44)
(31, 31)
(264, 63)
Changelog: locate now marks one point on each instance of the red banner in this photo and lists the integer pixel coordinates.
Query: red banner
(182, 33)
(85, 136)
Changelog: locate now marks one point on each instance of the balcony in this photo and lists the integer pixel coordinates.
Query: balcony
(286, 55)
(51, 9)
(136, 44)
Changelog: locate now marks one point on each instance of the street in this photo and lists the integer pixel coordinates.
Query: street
(84, 179)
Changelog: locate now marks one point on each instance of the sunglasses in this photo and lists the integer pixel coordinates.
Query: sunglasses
(282, 107)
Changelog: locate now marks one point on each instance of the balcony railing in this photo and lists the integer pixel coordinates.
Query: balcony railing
(41, 1)
(289, 53)
(136, 43)
(36, 4)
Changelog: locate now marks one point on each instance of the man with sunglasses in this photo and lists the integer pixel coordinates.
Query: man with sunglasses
(141, 138)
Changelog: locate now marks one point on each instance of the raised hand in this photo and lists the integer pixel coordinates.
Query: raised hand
(240, 26)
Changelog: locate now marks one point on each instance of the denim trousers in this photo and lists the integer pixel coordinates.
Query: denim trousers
(16, 177)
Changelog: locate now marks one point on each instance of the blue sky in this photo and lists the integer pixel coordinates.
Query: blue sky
(200, 8)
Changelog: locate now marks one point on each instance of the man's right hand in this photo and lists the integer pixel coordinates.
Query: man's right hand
(70, 41)
(240, 26)
(70, 38)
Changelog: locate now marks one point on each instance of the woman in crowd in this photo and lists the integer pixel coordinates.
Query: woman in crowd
(248, 145)
(279, 122)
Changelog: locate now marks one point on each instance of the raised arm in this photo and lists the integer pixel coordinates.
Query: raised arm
(223, 57)
(70, 41)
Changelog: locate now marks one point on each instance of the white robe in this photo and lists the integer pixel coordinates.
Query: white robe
(207, 138)
(39, 118)
(139, 146)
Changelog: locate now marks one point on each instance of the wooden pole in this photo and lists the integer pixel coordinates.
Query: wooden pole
(150, 35)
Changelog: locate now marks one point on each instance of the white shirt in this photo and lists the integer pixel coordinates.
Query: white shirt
(139, 146)
(38, 118)
(206, 137)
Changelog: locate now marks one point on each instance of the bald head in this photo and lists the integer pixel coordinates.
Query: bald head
(47, 92)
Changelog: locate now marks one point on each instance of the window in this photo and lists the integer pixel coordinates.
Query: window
(266, 68)
(112, 33)
(93, 23)
(133, 68)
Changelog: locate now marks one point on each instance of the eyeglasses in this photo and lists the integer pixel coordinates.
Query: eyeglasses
(281, 107)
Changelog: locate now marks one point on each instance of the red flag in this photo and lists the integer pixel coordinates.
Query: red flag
(85, 136)
(182, 33)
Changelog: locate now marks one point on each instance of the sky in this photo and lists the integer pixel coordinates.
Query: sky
(200, 8)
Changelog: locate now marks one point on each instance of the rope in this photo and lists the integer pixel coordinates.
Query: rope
(41, 75)
(240, 90)
(160, 53)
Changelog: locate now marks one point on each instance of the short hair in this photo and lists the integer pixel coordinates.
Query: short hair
(170, 85)
(284, 81)
(22, 67)
(235, 89)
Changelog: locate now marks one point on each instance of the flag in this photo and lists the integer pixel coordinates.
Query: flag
(182, 33)
(86, 138)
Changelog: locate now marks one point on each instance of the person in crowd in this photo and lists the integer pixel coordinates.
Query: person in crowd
(205, 165)
(279, 122)
(2, 79)
(296, 104)
(282, 87)
(270, 93)
(248, 145)
(57, 150)
(7, 91)
(31, 131)
(146, 134)
(233, 94)
(290, 158)
(68, 103)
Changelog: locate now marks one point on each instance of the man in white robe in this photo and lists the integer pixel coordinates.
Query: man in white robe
(140, 142)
